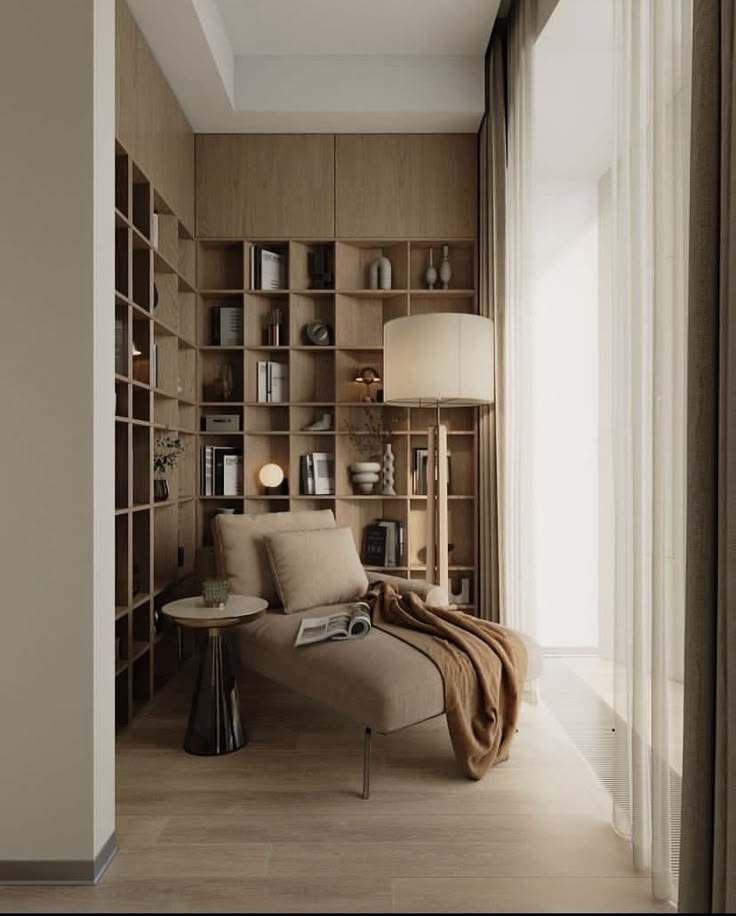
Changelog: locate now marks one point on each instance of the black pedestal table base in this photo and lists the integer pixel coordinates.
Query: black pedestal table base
(214, 719)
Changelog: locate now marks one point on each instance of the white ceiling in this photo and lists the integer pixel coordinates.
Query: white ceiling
(573, 91)
(358, 27)
(322, 65)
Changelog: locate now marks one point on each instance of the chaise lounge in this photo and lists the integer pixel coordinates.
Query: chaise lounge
(378, 681)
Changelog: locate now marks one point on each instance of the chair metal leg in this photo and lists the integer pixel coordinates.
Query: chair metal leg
(367, 762)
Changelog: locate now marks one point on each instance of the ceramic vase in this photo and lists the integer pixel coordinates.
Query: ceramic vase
(379, 273)
(364, 475)
(445, 268)
(389, 474)
(430, 274)
(160, 489)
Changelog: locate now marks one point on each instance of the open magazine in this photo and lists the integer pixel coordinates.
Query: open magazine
(350, 624)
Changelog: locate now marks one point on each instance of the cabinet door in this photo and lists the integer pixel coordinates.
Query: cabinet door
(263, 186)
(415, 185)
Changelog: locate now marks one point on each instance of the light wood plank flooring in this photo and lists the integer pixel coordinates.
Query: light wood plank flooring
(280, 826)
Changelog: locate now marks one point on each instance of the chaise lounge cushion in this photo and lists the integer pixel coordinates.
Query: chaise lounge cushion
(378, 680)
(240, 548)
(320, 568)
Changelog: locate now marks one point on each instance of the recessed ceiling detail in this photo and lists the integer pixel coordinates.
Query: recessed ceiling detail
(297, 66)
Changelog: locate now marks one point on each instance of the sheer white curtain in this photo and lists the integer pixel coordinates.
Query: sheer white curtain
(512, 412)
(650, 179)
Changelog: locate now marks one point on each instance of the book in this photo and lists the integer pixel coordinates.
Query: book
(272, 382)
(324, 473)
(353, 623)
(306, 475)
(277, 382)
(271, 269)
(232, 475)
(227, 326)
(262, 382)
(221, 471)
(384, 542)
(154, 230)
(389, 557)
(420, 458)
(374, 545)
(206, 472)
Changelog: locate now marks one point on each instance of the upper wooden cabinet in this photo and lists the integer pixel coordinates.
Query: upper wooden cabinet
(149, 121)
(414, 185)
(265, 186)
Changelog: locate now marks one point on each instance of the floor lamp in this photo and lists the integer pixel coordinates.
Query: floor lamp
(435, 360)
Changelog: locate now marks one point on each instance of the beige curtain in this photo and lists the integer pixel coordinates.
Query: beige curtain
(708, 850)
(492, 271)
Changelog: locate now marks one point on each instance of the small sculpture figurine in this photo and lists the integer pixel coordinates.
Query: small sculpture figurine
(445, 268)
(379, 274)
(430, 275)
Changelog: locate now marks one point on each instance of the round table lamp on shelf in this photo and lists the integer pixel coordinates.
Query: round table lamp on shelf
(451, 365)
(271, 478)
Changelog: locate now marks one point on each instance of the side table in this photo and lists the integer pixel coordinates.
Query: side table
(214, 718)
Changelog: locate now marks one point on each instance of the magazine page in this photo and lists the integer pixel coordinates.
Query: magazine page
(318, 628)
(350, 624)
(359, 621)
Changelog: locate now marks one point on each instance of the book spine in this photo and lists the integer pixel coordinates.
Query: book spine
(262, 392)
(215, 329)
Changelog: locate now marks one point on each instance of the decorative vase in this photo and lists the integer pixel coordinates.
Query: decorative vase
(430, 274)
(365, 474)
(445, 268)
(379, 273)
(160, 489)
(388, 471)
(215, 592)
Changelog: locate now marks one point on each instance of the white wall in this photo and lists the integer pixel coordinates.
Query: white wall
(563, 412)
(57, 107)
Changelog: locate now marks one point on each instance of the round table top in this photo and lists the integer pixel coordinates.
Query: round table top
(192, 612)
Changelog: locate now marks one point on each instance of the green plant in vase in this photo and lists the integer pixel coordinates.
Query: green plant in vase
(167, 450)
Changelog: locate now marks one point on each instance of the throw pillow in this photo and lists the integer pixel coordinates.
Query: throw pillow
(240, 549)
(316, 568)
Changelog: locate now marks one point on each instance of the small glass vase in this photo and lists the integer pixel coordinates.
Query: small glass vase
(215, 592)
(160, 489)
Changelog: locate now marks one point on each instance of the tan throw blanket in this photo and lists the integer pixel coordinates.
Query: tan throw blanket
(483, 666)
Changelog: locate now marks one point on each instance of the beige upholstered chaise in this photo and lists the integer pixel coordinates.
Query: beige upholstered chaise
(378, 681)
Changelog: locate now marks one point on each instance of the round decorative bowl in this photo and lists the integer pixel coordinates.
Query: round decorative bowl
(365, 467)
(365, 477)
(364, 481)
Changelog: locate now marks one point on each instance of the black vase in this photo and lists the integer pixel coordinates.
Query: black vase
(160, 489)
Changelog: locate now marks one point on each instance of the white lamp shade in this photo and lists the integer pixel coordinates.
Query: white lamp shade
(271, 475)
(440, 358)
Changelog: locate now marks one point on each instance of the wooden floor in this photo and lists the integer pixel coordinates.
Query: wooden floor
(279, 826)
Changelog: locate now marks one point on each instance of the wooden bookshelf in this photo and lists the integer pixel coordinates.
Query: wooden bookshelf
(155, 306)
(321, 381)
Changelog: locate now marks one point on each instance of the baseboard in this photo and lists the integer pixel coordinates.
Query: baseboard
(74, 871)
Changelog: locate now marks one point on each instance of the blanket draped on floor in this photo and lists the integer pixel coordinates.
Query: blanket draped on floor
(482, 664)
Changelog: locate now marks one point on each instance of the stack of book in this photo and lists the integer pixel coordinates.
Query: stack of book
(221, 470)
(384, 542)
(227, 326)
(273, 382)
(317, 474)
(267, 268)
(419, 471)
